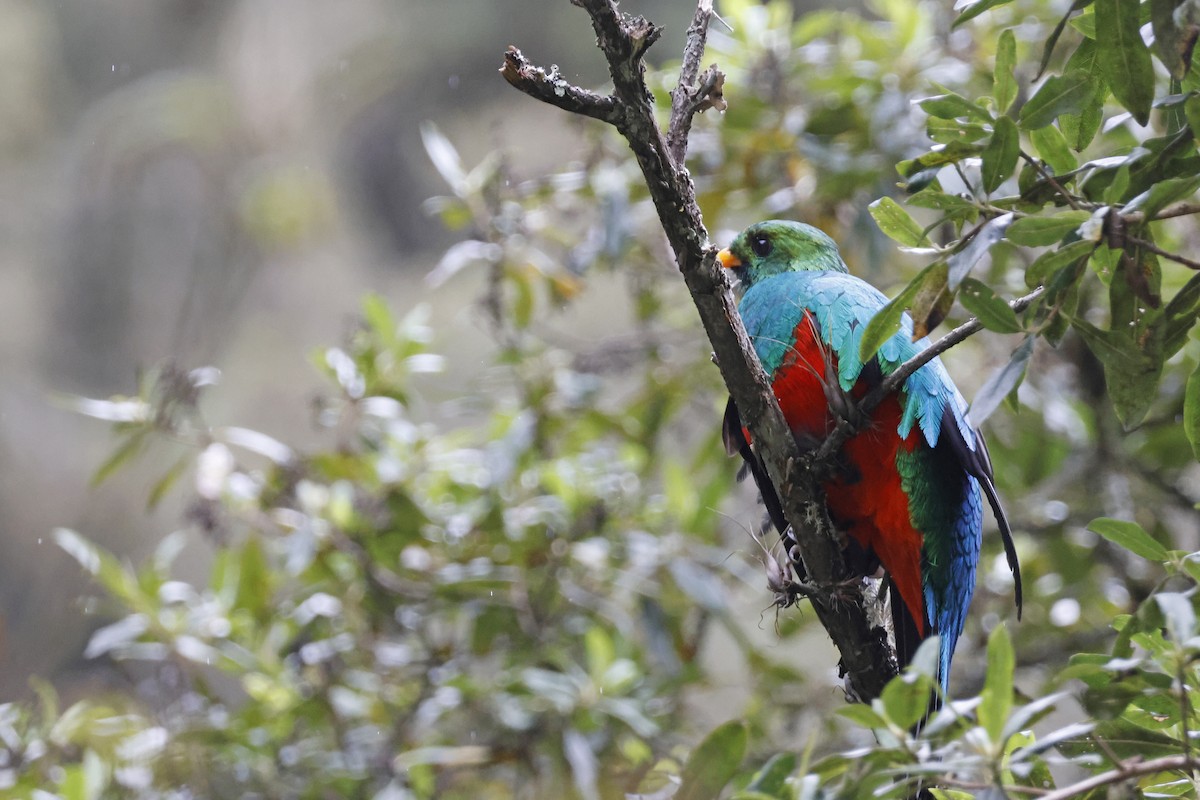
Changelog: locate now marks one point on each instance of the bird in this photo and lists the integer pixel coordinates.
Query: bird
(908, 485)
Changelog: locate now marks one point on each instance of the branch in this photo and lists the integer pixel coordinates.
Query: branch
(1127, 770)
(553, 89)
(624, 39)
(1146, 244)
(689, 99)
(1181, 210)
(845, 429)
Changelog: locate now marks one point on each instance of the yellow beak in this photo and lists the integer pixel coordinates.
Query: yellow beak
(728, 260)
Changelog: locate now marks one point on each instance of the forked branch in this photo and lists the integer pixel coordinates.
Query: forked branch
(630, 108)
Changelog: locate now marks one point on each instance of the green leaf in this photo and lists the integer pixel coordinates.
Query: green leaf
(163, 485)
(1163, 194)
(1131, 368)
(995, 701)
(1001, 383)
(1060, 94)
(713, 763)
(1172, 41)
(932, 300)
(953, 106)
(990, 309)
(1125, 740)
(1191, 411)
(961, 263)
(771, 780)
(1052, 146)
(1124, 57)
(951, 153)
(134, 444)
(863, 715)
(954, 205)
(1191, 110)
(906, 698)
(896, 223)
(1079, 129)
(1051, 261)
(1085, 23)
(1004, 84)
(886, 321)
(1043, 231)
(1000, 154)
(1180, 315)
(1130, 536)
(1052, 39)
(944, 131)
(976, 8)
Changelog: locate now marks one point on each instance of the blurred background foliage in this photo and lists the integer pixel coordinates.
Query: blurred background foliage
(475, 535)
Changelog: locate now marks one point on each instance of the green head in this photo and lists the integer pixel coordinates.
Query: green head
(777, 246)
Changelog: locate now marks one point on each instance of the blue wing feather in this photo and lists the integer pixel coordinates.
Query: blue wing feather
(843, 305)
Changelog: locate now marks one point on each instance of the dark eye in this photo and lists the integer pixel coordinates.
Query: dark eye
(761, 245)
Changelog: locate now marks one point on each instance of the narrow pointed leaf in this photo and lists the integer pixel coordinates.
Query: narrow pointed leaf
(1044, 231)
(713, 763)
(1174, 41)
(906, 698)
(1000, 155)
(1001, 382)
(1124, 57)
(1130, 536)
(973, 10)
(1052, 146)
(1060, 94)
(1051, 261)
(896, 223)
(771, 780)
(1162, 194)
(953, 106)
(1004, 84)
(1191, 412)
(1132, 368)
(1052, 40)
(986, 306)
(996, 698)
(962, 262)
(886, 321)
(932, 300)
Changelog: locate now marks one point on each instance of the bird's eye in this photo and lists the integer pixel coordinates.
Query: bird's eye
(761, 245)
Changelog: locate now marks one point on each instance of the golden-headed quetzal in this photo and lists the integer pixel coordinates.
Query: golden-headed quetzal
(909, 484)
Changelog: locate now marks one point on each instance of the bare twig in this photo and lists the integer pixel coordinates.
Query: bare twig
(1127, 770)
(845, 429)
(553, 89)
(689, 98)
(1146, 244)
(1072, 201)
(1181, 210)
(623, 39)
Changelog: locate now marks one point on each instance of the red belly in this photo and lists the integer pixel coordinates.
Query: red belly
(871, 505)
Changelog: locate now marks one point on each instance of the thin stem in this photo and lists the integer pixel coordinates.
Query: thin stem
(1123, 772)
(1181, 210)
(1046, 176)
(1153, 248)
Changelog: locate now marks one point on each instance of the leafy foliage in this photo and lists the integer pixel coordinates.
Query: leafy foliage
(518, 593)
